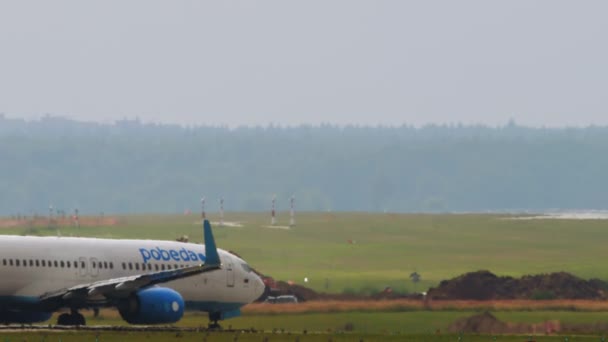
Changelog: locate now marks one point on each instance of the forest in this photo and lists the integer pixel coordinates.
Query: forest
(130, 166)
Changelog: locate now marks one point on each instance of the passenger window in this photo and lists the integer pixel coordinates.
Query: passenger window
(137, 266)
(55, 263)
(31, 262)
(4, 262)
(130, 267)
(75, 264)
(156, 267)
(24, 262)
(43, 263)
(37, 263)
(82, 264)
(111, 265)
(92, 264)
(149, 267)
(105, 264)
(16, 262)
(62, 264)
(10, 262)
(50, 264)
(124, 266)
(69, 264)
(162, 267)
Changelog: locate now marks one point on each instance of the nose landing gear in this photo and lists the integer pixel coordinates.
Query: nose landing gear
(73, 318)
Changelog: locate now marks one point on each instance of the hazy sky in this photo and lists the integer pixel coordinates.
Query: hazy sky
(259, 62)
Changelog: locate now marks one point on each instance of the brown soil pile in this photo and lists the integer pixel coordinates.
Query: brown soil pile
(480, 285)
(302, 293)
(305, 294)
(486, 323)
(482, 323)
(484, 285)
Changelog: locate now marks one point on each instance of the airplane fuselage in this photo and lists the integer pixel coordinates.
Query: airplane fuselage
(33, 266)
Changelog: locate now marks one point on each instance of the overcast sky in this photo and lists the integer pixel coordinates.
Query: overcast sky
(543, 63)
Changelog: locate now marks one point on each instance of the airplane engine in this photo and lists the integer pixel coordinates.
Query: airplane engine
(155, 305)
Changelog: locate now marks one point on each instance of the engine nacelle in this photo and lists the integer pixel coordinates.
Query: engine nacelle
(155, 305)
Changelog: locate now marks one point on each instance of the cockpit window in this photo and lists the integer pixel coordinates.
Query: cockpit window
(246, 267)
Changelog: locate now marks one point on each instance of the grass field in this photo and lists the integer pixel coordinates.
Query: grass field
(404, 326)
(385, 248)
(349, 326)
(359, 252)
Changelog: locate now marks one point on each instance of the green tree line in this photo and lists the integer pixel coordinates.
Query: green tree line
(130, 167)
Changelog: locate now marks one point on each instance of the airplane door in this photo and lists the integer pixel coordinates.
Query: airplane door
(229, 275)
(94, 267)
(82, 266)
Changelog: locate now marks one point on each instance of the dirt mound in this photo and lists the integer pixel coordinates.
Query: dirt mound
(486, 323)
(482, 323)
(302, 293)
(306, 294)
(484, 285)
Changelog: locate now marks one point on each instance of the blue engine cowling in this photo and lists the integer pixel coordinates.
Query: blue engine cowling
(155, 305)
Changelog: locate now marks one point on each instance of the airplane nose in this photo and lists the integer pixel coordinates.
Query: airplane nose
(258, 287)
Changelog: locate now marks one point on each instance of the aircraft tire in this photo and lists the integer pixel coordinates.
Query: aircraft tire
(79, 319)
(64, 319)
(71, 319)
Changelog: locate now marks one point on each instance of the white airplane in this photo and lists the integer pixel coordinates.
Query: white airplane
(149, 282)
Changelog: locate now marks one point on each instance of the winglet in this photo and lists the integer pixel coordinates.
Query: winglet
(212, 258)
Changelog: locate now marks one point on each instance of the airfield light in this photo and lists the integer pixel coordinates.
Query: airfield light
(292, 220)
(50, 215)
(76, 220)
(222, 212)
(273, 219)
(203, 216)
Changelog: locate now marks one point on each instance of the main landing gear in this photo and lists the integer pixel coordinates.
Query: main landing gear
(214, 317)
(73, 318)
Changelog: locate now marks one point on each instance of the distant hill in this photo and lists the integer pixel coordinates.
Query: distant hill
(130, 167)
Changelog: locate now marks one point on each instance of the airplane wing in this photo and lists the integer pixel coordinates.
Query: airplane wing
(122, 287)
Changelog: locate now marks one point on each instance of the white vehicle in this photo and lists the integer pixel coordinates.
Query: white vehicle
(281, 299)
(149, 282)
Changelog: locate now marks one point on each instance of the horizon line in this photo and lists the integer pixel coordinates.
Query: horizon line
(136, 120)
